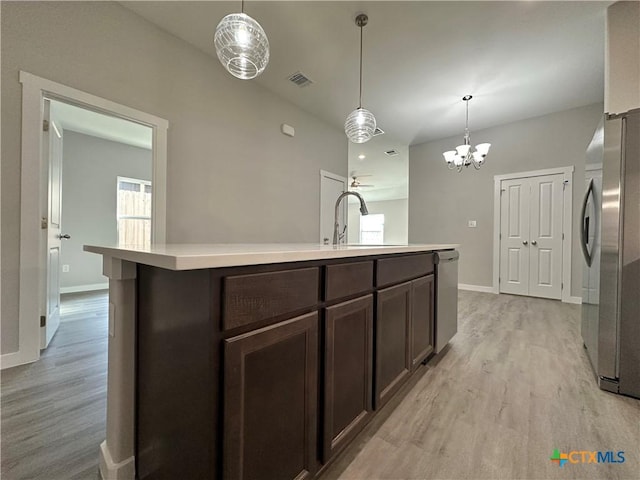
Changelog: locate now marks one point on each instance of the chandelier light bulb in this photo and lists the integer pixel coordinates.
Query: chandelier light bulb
(242, 46)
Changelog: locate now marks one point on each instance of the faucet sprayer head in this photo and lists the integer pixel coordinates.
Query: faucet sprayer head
(363, 208)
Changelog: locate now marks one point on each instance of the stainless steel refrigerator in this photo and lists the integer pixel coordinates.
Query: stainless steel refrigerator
(610, 241)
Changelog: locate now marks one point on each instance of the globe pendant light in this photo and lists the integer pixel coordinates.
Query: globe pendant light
(241, 45)
(462, 156)
(360, 123)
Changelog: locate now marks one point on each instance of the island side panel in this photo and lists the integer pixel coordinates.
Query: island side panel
(178, 374)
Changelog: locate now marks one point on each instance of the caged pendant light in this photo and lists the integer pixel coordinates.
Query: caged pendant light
(462, 156)
(241, 45)
(360, 123)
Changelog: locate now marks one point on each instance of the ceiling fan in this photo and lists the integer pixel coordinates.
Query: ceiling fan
(356, 183)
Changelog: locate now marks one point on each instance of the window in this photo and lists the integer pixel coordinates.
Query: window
(134, 212)
(372, 229)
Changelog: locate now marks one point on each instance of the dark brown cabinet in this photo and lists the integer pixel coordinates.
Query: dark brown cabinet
(348, 372)
(270, 401)
(422, 291)
(393, 333)
(268, 372)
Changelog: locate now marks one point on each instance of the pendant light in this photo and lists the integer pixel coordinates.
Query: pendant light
(462, 156)
(360, 123)
(241, 45)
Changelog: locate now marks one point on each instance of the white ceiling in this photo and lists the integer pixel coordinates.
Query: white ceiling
(518, 59)
(103, 126)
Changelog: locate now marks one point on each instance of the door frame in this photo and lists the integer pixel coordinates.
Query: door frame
(567, 224)
(338, 178)
(34, 90)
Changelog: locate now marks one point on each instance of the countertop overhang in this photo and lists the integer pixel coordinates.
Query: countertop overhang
(197, 256)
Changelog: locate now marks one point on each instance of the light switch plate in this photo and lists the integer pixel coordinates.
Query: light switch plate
(472, 224)
(65, 268)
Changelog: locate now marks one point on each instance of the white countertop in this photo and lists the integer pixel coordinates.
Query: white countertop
(195, 256)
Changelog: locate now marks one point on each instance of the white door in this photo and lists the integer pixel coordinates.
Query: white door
(514, 236)
(331, 186)
(545, 236)
(52, 150)
(531, 222)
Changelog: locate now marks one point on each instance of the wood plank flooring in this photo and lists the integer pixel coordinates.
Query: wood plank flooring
(53, 411)
(514, 384)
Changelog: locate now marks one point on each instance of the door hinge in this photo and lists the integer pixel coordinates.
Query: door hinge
(43, 223)
(45, 125)
(43, 321)
(563, 236)
(562, 286)
(499, 279)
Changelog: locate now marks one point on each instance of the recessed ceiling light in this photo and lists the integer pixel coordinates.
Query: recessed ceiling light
(362, 156)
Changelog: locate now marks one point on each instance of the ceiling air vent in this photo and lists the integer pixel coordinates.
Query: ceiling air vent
(300, 79)
(391, 153)
(378, 131)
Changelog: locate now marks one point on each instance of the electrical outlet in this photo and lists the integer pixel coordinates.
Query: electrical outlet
(65, 268)
(472, 224)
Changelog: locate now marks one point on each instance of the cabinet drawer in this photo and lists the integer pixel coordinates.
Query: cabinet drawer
(260, 296)
(398, 269)
(348, 279)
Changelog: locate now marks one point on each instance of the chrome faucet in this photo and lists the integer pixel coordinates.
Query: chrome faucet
(363, 211)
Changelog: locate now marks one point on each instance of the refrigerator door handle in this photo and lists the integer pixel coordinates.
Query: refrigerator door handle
(584, 232)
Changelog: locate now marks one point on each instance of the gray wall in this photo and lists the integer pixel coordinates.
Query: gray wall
(232, 176)
(396, 215)
(90, 169)
(442, 201)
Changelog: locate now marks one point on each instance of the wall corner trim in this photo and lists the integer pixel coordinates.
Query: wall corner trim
(109, 470)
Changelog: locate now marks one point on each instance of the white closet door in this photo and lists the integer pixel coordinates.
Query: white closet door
(545, 236)
(514, 231)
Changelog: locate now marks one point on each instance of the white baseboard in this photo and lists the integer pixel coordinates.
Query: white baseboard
(576, 300)
(109, 470)
(13, 359)
(475, 288)
(85, 288)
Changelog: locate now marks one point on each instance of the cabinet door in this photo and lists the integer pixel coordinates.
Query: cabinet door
(393, 323)
(422, 300)
(348, 372)
(270, 400)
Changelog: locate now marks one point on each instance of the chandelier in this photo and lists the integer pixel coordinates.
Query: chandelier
(462, 156)
(241, 45)
(360, 123)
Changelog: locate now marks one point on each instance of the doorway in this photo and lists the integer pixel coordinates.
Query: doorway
(92, 199)
(35, 217)
(331, 186)
(533, 220)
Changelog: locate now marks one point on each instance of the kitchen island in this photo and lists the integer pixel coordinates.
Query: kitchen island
(256, 361)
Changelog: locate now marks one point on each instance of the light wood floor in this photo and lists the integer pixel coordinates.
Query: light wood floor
(514, 384)
(53, 411)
